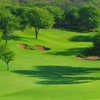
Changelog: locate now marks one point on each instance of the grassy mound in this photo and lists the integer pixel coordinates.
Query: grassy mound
(54, 74)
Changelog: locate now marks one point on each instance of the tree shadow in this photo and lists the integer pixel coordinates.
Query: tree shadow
(18, 38)
(53, 75)
(69, 52)
(81, 38)
(15, 38)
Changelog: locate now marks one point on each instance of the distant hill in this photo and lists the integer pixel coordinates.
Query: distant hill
(73, 2)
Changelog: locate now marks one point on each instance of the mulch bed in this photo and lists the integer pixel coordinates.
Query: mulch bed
(89, 58)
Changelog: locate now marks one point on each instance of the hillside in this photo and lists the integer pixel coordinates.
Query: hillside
(50, 75)
(49, 53)
(73, 2)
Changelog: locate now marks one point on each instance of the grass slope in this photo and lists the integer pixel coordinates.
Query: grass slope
(50, 75)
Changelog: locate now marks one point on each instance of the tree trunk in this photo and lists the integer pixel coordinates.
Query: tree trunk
(36, 32)
(36, 36)
(5, 37)
(7, 67)
(6, 42)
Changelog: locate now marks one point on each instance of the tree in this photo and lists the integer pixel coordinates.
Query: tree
(6, 55)
(8, 24)
(58, 14)
(89, 18)
(22, 14)
(71, 18)
(96, 41)
(40, 18)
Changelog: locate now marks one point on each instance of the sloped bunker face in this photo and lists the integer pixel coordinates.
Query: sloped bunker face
(41, 48)
(37, 47)
(22, 46)
(89, 58)
(93, 58)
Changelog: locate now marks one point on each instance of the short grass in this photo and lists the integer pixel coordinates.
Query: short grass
(50, 75)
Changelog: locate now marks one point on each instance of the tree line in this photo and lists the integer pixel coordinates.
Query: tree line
(85, 18)
(12, 18)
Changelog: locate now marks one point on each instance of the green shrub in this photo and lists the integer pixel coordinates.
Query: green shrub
(40, 18)
(92, 51)
(6, 56)
(96, 41)
(8, 24)
(89, 18)
(58, 14)
(71, 18)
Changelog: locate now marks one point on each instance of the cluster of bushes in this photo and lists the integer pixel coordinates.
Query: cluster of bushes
(6, 55)
(86, 18)
(12, 18)
(94, 50)
(18, 18)
(96, 41)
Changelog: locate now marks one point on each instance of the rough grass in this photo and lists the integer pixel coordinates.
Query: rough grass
(50, 75)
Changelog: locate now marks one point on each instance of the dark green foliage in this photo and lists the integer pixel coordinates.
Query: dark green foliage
(95, 50)
(86, 18)
(71, 18)
(91, 52)
(57, 13)
(89, 18)
(96, 41)
(40, 18)
(7, 56)
(8, 23)
(22, 14)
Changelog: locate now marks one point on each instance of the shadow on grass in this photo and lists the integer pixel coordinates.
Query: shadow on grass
(18, 38)
(13, 37)
(69, 52)
(53, 75)
(81, 39)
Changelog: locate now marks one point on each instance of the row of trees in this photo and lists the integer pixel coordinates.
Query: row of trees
(6, 55)
(86, 18)
(18, 18)
(60, 3)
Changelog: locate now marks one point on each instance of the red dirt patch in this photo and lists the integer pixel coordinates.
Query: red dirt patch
(22, 46)
(40, 48)
(89, 58)
(92, 58)
(79, 57)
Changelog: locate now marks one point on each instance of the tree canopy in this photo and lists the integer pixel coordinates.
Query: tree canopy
(40, 18)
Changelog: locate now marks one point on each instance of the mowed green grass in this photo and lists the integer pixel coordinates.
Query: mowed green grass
(50, 75)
